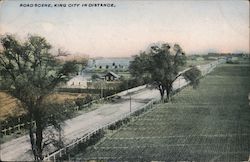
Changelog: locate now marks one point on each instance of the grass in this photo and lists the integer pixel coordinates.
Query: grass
(210, 123)
(9, 106)
(14, 135)
(197, 62)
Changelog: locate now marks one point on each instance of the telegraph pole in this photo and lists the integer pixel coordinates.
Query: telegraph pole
(130, 102)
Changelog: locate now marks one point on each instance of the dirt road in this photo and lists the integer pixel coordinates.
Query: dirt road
(19, 149)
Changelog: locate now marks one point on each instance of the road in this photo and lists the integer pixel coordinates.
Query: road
(20, 149)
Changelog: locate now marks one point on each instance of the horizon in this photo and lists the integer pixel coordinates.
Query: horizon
(200, 27)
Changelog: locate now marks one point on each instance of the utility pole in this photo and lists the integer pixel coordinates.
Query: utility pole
(101, 92)
(102, 84)
(130, 102)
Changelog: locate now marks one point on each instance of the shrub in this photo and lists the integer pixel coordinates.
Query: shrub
(82, 101)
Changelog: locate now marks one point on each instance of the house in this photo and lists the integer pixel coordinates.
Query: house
(111, 76)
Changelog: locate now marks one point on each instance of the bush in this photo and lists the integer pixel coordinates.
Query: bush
(118, 124)
(131, 83)
(115, 125)
(82, 101)
(232, 62)
(81, 147)
(193, 75)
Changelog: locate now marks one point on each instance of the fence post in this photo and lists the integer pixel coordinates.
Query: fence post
(34, 123)
(19, 124)
(10, 130)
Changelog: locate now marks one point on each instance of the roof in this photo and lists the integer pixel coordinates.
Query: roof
(114, 74)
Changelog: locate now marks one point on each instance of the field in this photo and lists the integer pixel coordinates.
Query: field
(197, 62)
(9, 106)
(210, 123)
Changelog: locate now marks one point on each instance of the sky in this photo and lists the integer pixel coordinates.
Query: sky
(131, 26)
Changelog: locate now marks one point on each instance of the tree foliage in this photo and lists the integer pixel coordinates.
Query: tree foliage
(160, 65)
(30, 73)
(193, 75)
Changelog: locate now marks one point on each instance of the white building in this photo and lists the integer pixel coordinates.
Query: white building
(77, 82)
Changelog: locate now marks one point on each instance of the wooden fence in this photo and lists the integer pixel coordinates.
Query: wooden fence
(87, 136)
(21, 125)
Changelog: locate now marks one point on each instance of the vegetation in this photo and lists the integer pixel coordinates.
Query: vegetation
(9, 107)
(80, 101)
(161, 66)
(193, 75)
(29, 72)
(210, 123)
(93, 139)
(11, 110)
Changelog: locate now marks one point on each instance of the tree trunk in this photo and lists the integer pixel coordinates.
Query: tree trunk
(36, 135)
(39, 137)
(168, 94)
(169, 89)
(32, 138)
(162, 92)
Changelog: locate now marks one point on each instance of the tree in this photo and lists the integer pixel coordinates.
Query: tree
(95, 77)
(193, 75)
(160, 65)
(82, 62)
(101, 85)
(31, 73)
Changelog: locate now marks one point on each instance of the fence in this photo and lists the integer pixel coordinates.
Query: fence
(22, 124)
(12, 129)
(86, 136)
(17, 127)
(205, 69)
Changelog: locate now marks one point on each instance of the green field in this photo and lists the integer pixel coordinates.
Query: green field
(211, 123)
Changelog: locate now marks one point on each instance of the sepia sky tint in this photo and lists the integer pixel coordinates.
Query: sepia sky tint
(198, 26)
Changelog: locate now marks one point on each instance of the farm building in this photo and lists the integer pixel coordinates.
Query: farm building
(199, 59)
(77, 81)
(111, 76)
